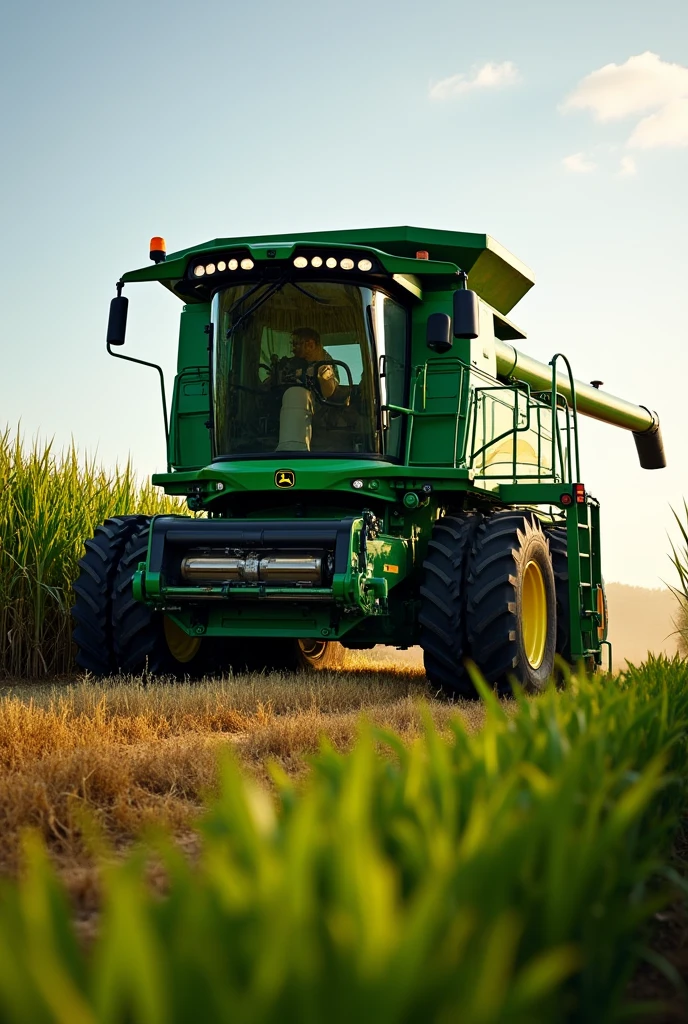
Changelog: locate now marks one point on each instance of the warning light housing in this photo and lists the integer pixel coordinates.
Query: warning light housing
(158, 249)
(579, 493)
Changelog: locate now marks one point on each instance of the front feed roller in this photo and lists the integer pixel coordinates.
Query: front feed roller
(192, 596)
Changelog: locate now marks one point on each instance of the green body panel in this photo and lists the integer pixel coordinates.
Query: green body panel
(382, 481)
(193, 339)
(485, 428)
(189, 444)
(189, 439)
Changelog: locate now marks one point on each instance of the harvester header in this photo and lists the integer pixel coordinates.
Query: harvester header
(376, 463)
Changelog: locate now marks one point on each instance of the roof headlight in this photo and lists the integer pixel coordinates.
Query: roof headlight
(199, 271)
(331, 262)
(247, 264)
(210, 268)
(346, 263)
(221, 266)
(317, 261)
(232, 264)
(300, 262)
(357, 484)
(365, 265)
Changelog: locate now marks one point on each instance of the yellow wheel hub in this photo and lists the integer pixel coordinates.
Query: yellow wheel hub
(314, 650)
(602, 612)
(534, 614)
(181, 646)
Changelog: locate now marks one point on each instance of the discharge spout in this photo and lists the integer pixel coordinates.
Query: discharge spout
(590, 402)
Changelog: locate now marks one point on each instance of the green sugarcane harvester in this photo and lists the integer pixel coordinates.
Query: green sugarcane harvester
(377, 464)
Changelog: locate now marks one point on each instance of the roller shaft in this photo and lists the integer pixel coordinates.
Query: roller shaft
(253, 569)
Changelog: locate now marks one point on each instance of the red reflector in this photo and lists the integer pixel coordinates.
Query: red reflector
(422, 254)
(579, 493)
(566, 499)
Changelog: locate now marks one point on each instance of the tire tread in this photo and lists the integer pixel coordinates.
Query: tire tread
(92, 609)
(442, 613)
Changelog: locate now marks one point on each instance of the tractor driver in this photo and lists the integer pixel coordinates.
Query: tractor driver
(298, 404)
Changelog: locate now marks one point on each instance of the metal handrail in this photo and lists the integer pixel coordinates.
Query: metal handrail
(556, 402)
(572, 386)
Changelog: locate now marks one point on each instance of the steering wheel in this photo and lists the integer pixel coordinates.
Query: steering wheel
(293, 372)
(314, 383)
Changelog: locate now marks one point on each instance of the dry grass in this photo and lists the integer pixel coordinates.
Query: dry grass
(124, 755)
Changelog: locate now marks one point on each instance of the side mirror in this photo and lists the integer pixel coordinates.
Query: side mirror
(466, 314)
(117, 323)
(439, 332)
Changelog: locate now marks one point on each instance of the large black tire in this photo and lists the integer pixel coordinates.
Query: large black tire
(92, 610)
(442, 616)
(146, 641)
(512, 610)
(558, 548)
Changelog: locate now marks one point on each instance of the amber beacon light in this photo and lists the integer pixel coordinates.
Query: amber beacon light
(158, 250)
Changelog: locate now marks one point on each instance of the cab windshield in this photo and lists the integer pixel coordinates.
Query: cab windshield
(295, 369)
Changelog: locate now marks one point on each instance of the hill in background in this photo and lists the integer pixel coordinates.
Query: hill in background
(640, 620)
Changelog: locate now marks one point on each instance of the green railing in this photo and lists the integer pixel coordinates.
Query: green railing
(478, 421)
(562, 428)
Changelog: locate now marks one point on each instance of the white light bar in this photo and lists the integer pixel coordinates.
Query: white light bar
(299, 262)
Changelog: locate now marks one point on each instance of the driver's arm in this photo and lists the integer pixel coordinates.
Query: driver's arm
(327, 380)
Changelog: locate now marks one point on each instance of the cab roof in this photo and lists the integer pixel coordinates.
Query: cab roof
(493, 272)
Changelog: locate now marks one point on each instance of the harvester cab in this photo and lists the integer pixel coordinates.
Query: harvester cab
(371, 461)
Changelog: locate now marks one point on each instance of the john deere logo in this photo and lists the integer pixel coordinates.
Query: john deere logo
(285, 478)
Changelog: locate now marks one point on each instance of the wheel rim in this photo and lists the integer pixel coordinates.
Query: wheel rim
(314, 650)
(181, 646)
(602, 612)
(534, 614)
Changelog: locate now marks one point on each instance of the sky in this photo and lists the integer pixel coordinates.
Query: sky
(559, 129)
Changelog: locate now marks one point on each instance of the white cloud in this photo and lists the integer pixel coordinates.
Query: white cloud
(644, 84)
(627, 167)
(668, 127)
(489, 76)
(578, 163)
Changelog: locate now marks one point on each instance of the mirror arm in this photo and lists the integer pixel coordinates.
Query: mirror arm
(143, 362)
